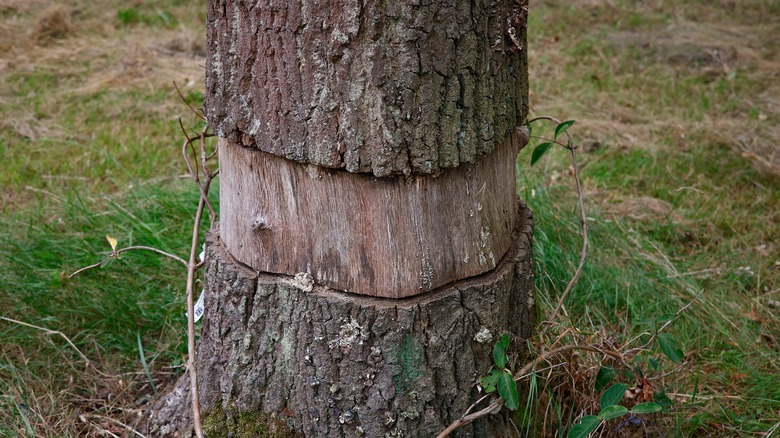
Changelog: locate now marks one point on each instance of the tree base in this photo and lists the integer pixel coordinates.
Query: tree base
(306, 360)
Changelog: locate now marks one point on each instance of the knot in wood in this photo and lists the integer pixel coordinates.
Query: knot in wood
(258, 224)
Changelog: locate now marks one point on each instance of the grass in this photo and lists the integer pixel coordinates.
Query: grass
(681, 204)
(676, 109)
(107, 312)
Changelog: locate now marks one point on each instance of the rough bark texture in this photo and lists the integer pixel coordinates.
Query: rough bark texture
(372, 86)
(329, 364)
(389, 237)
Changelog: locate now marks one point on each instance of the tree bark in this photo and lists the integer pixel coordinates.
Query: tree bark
(377, 87)
(313, 361)
(371, 247)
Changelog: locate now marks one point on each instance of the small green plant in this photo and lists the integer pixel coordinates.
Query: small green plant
(133, 16)
(128, 16)
(500, 377)
(609, 402)
(610, 409)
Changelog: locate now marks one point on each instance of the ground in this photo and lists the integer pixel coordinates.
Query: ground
(677, 108)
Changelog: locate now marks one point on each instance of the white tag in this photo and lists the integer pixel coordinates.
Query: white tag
(199, 309)
(202, 255)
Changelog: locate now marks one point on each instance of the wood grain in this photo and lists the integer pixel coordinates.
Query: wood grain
(387, 237)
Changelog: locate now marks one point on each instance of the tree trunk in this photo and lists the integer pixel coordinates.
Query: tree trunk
(371, 247)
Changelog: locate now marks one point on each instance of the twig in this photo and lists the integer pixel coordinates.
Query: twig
(51, 332)
(193, 265)
(204, 156)
(191, 367)
(772, 430)
(583, 217)
(204, 159)
(663, 327)
(199, 115)
(86, 268)
(116, 253)
(497, 402)
(119, 423)
(158, 251)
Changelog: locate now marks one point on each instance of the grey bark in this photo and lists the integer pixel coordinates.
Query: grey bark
(378, 87)
(329, 364)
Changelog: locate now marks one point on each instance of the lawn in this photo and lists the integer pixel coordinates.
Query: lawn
(677, 110)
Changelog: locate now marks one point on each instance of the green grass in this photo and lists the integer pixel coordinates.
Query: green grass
(103, 310)
(669, 133)
(91, 147)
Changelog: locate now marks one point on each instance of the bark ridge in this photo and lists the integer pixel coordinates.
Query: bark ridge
(368, 86)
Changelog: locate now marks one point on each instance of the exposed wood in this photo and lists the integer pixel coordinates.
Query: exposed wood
(389, 237)
(368, 86)
(329, 364)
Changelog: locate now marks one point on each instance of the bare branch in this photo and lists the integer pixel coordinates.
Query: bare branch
(583, 217)
(583, 226)
(193, 265)
(116, 253)
(86, 268)
(191, 364)
(51, 332)
(155, 250)
(199, 115)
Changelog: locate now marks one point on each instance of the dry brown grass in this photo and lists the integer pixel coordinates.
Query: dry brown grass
(53, 24)
(735, 44)
(84, 51)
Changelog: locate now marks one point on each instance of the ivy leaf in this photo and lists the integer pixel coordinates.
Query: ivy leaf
(490, 381)
(587, 424)
(605, 375)
(499, 351)
(562, 127)
(613, 411)
(670, 349)
(539, 151)
(507, 389)
(613, 395)
(646, 408)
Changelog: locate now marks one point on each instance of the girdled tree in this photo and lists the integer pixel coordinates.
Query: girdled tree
(371, 247)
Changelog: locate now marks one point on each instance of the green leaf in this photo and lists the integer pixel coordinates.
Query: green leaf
(499, 351)
(662, 399)
(613, 395)
(670, 349)
(539, 151)
(646, 408)
(587, 424)
(490, 381)
(605, 375)
(653, 363)
(507, 389)
(613, 411)
(562, 127)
